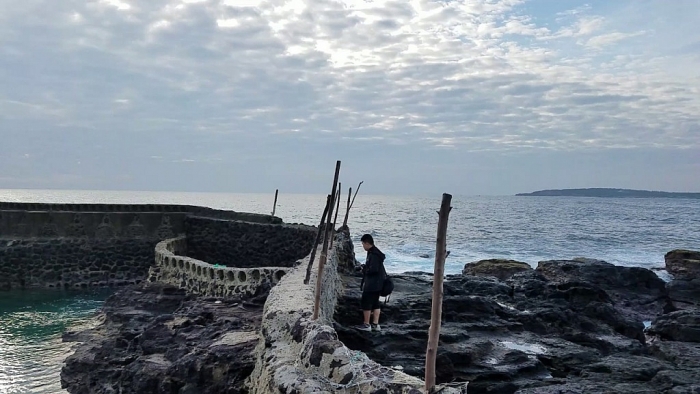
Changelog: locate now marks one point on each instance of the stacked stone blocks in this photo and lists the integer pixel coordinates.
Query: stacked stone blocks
(172, 266)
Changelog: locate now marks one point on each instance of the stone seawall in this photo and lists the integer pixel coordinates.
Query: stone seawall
(92, 225)
(107, 220)
(74, 262)
(299, 355)
(89, 245)
(244, 245)
(198, 277)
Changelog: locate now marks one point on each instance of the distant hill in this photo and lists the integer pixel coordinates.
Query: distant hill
(607, 192)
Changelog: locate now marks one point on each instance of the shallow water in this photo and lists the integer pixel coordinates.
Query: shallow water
(31, 325)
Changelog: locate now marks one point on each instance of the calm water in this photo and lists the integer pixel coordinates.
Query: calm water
(632, 232)
(31, 324)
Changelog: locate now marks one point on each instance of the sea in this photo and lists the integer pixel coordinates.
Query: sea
(622, 231)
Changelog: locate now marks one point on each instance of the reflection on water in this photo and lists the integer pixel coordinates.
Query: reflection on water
(31, 324)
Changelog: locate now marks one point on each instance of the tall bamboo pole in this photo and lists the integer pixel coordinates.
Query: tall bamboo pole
(316, 242)
(274, 206)
(438, 277)
(324, 250)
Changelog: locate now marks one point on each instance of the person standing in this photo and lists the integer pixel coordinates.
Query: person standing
(373, 275)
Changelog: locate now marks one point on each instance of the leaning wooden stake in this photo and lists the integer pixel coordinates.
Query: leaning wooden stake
(316, 242)
(337, 208)
(436, 311)
(350, 204)
(274, 206)
(347, 208)
(324, 250)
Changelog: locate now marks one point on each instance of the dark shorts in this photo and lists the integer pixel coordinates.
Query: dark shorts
(370, 300)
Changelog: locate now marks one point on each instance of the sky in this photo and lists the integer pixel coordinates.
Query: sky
(471, 97)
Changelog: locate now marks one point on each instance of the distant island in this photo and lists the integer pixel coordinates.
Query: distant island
(609, 192)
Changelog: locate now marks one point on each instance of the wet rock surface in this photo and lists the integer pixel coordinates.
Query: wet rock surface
(683, 264)
(157, 339)
(684, 289)
(499, 268)
(569, 326)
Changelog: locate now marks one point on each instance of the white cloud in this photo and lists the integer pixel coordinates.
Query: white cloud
(604, 40)
(482, 75)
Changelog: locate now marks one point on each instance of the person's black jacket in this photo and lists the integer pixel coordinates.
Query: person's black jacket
(374, 272)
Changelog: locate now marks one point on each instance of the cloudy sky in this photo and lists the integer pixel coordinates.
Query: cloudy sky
(414, 96)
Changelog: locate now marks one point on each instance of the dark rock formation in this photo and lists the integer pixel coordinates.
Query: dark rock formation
(568, 326)
(684, 289)
(637, 293)
(157, 339)
(347, 262)
(498, 268)
(681, 326)
(684, 294)
(683, 264)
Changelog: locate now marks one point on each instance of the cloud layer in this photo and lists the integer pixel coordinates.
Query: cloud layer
(99, 81)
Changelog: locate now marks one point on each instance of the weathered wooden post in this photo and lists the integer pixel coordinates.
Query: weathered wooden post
(350, 204)
(347, 208)
(324, 249)
(438, 277)
(274, 205)
(337, 208)
(316, 242)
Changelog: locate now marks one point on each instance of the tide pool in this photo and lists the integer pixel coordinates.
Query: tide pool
(31, 325)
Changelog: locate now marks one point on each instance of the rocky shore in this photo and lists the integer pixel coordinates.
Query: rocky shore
(157, 339)
(568, 326)
(573, 326)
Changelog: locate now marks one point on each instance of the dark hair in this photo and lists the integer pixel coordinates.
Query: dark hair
(368, 239)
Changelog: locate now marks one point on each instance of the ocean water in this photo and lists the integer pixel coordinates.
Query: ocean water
(630, 232)
(31, 324)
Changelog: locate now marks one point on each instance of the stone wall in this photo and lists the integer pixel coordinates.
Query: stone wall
(198, 277)
(79, 249)
(245, 244)
(93, 225)
(299, 355)
(74, 262)
(86, 245)
(84, 220)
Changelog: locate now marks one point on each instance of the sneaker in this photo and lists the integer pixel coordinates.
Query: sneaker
(363, 327)
(376, 327)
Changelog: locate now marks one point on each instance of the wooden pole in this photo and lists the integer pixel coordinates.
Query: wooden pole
(438, 277)
(337, 208)
(347, 212)
(316, 242)
(347, 208)
(324, 250)
(274, 206)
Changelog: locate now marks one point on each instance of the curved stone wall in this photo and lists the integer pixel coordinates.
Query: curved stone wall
(244, 244)
(299, 355)
(87, 245)
(173, 267)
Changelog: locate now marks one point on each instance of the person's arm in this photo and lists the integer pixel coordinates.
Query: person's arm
(373, 265)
